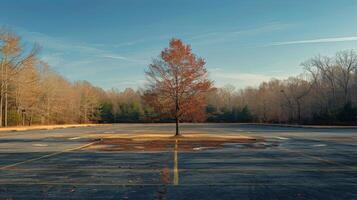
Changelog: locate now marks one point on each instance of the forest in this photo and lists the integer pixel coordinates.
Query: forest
(33, 93)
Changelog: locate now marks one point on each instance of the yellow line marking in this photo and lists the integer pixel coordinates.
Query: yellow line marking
(176, 171)
(47, 156)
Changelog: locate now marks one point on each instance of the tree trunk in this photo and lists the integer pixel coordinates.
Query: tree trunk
(30, 121)
(177, 127)
(85, 114)
(177, 112)
(299, 111)
(6, 96)
(2, 93)
(48, 111)
(177, 115)
(1, 103)
(23, 118)
(6, 107)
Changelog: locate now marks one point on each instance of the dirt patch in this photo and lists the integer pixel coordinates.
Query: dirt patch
(165, 142)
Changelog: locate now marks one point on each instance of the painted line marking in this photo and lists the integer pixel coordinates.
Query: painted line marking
(47, 156)
(319, 159)
(281, 138)
(200, 148)
(176, 170)
(109, 132)
(40, 145)
(319, 145)
(74, 138)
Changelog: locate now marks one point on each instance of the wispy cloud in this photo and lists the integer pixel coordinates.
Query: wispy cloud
(234, 34)
(319, 40)
(54, 43)
(61, 47)
(139, 41)
(240, 79)
(79, 60)
(134, 82)
(130, 43)
(53, 58)
(119, 57)
(269, 27)
(204, 35)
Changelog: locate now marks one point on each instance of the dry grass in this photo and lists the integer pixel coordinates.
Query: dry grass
(43, 127)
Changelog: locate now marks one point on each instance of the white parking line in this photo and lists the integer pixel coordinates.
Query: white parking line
(281, 138)
(75, 138)
(319, 145)
(109, 132)
(40, 145)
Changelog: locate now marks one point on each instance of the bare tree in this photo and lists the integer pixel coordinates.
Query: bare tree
(346, 64)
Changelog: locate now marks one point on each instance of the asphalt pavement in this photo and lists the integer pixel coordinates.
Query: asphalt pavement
(285, 163)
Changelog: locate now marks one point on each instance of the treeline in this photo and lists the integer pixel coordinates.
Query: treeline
(32, 93)
(126, 106)
(129, 106)
(325, 93)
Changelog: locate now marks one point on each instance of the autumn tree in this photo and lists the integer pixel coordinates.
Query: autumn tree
(89, 101)
(25, 95)
(60, 100)
(178, 82)
(13, 59)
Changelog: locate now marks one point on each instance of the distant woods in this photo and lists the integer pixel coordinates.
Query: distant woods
(325, 93)
(32, 93)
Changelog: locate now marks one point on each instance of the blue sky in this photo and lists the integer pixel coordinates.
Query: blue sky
(110, 43)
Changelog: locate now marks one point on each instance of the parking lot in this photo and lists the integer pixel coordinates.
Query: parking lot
(283, 163)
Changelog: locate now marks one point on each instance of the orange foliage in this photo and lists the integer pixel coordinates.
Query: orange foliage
(178, 82)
